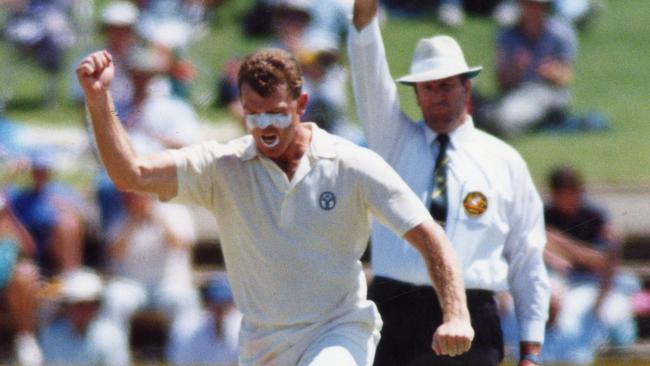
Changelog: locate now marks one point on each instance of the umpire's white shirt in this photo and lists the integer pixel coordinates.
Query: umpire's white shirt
(499, 249)
(292, 248)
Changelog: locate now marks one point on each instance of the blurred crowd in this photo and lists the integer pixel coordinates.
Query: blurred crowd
(452, 13)
(591, 298)
(75, 267)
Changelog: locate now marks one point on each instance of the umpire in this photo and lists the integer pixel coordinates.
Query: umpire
(476, 185)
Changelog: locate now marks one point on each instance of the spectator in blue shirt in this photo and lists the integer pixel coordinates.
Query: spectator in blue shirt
(50, 212)
(534, 68)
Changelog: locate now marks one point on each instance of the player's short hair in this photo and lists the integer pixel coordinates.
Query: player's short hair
(264, 71)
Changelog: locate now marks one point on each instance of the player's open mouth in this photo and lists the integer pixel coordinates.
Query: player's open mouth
(270, 140)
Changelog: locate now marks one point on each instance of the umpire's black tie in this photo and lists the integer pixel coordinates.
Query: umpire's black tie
(438, 207)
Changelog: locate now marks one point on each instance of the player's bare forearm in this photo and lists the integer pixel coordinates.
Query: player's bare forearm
(95, 74)
(154, 174)
(455, 335)
(128, 171)
(431, 242)
(112, 141)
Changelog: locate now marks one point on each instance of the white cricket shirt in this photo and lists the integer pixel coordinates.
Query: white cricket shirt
(292, 248)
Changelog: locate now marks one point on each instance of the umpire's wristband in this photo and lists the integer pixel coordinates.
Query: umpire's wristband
(533, 357)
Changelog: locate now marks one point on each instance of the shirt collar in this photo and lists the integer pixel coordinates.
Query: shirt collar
(461, 132)
(250, 149)
(321, 145)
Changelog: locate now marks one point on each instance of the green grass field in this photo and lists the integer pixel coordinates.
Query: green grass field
(611, 77)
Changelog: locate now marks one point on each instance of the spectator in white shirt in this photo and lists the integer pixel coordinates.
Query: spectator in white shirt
(150, 259)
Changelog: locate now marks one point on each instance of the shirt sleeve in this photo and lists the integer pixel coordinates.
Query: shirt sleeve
(375, 92)
(196, 173)
(524, 249)
(388, 197)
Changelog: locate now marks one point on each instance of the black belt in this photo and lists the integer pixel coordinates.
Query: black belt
(479, 296)
(474, 296)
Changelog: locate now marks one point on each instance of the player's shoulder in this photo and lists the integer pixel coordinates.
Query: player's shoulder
(349, 152)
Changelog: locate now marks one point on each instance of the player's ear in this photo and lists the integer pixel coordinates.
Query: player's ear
(302, 103)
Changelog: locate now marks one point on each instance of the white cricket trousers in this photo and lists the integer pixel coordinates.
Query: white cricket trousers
(346, 345)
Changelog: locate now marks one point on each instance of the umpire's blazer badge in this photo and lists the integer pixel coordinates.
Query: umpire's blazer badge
(475, 203)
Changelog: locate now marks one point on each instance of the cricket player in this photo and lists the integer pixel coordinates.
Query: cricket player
(294, 205)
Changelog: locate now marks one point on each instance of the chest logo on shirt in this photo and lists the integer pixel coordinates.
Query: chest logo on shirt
(475, 203)
(327, 200)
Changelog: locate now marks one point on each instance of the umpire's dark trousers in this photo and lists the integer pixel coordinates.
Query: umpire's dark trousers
(412, 313)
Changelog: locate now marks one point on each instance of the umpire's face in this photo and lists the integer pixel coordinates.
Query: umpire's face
(444, 102)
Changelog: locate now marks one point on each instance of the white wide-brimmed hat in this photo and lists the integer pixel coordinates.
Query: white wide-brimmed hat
(436, 58)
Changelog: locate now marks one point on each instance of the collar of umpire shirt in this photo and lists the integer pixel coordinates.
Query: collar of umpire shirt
(456, 136)
(321, 145)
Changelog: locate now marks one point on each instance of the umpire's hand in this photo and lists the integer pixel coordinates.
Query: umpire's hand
(453, 337)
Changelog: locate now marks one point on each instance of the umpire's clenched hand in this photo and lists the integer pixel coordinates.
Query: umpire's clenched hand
(453, 337)
(95, 72)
